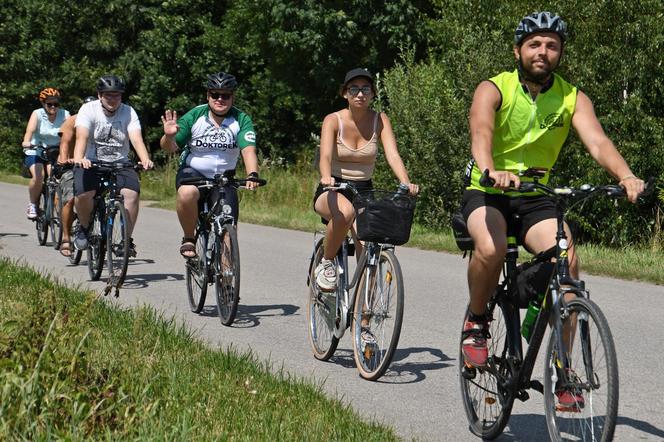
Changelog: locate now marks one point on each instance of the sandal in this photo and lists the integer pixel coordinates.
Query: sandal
(65, 249)
(188, 248)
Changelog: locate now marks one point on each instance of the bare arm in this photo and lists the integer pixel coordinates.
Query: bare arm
(250, 160)
(30, 130)
(389, 142)
(328, 134)
(136, 138)
(482, 124)
(601, 148)
(66, 140)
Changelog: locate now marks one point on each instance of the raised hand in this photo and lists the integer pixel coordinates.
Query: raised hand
(169, 120)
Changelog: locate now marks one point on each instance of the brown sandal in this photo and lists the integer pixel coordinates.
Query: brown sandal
(188, 248)
(65, 249)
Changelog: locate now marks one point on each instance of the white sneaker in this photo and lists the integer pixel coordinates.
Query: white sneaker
(326, 275)
(32, 211)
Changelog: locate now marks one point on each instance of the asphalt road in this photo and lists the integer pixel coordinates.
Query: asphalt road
(419, 396)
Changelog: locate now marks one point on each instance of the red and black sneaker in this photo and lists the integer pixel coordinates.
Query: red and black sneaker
(474, 344)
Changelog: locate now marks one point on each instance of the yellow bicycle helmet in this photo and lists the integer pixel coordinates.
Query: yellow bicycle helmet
(48, 93)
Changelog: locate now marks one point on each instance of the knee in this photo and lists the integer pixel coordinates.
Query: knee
(490, 252)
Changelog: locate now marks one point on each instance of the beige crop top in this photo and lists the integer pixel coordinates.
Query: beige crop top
(354, 164)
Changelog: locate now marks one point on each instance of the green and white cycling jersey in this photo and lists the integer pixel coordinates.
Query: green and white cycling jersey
(212, 149)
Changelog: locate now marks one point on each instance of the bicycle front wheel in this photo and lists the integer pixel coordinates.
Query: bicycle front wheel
(117, 243)
(322, 316)
(488, 405)
(592, 377)
(96, 244)
(56, 218)
(196, 272)
(41, 222)
(227, 274)
(377, 316)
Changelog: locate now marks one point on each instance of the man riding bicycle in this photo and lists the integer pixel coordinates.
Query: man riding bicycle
(104, 130)
(519, 121)
(212, 136)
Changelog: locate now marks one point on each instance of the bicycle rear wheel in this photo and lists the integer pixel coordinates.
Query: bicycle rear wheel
(592, 373)
(488, 405)
(117, 243)
(196, 272)
(227, 274)
(56, 218)
(322, 316)
(41, 222)
(377, 316)
(76, 254)
(96, 243)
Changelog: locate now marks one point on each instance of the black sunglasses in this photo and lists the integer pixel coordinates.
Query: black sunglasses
(354, 90)
(52, 104)
(222, 95)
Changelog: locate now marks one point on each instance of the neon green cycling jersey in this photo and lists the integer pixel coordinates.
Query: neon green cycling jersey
(528, 133)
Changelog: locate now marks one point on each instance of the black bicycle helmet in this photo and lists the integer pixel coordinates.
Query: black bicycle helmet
(221, 80)
(540, 22)
(110, 83)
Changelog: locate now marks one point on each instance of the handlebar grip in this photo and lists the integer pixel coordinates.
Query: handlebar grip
(486, 180)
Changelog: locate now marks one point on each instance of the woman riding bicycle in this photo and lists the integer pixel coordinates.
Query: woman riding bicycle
(42, 130)
(348, 147)
(212, 136)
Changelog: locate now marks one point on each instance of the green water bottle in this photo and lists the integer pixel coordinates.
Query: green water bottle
(529, 320)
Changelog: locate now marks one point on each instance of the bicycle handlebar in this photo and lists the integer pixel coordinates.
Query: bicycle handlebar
(42, 151)
(104, 166)
(220, 180)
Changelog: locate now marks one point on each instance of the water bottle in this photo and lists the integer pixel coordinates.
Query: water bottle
(529, 320)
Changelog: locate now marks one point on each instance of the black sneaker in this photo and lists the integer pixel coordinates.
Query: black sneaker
(132, 249)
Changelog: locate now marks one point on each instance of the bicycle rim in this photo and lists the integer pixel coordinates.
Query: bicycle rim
(594, 366)
(322, 313)
(117, 243)
(377, 316)
(196, 272)
(41, 223)
(488, 406)
(76, 254)
(96, 246)
(227, 274)
(56, 218)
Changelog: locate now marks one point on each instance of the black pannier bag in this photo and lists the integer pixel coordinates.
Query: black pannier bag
(460, 231)
(383, 216)
(532, 282)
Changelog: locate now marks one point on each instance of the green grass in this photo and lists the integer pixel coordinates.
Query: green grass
(72, 367)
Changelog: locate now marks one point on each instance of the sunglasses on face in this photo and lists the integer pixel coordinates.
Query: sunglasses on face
(354, 90)
(52, 104)
(223, 95)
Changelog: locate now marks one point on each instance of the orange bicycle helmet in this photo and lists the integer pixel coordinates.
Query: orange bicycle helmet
(49, 92)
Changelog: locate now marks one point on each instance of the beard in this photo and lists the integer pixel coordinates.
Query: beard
(538, 77)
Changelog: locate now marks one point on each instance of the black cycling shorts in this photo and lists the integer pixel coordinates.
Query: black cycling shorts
(530, 209)
(230, 192)
(86, 180)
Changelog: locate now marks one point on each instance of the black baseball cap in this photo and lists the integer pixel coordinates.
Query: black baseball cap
(358, 72)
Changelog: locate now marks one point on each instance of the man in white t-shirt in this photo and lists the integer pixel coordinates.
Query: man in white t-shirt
(104, 130)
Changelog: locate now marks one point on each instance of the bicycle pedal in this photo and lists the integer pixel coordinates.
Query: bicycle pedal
(523, 396)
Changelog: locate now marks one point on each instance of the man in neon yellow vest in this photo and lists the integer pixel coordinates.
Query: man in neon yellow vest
(520, 120)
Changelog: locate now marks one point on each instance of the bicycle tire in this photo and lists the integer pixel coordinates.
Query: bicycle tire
(117, 243)
(378, 313)
(76, 255)
(96, 243)
(322, 315)
(55, 222)
(488, 406)
(196, 272)
(41, 222)
(227, 274)
(596, 420)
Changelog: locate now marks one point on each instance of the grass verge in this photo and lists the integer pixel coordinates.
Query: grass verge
(74, 368)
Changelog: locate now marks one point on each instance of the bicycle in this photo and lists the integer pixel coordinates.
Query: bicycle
(48, 207)
(371, 302)
(580, 356)
(217, 259)
(108, 232)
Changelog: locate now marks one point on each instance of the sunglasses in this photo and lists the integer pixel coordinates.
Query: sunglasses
(52, 104)
(223, 95)
(354, 90)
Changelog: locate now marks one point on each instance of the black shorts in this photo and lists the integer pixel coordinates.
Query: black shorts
(359, 186)
(86, 180)
(230, 192)
(530, 209)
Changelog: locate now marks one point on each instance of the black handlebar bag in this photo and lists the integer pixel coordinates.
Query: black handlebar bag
(383, 216)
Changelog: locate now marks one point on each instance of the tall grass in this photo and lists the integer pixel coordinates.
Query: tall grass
(74, 368)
